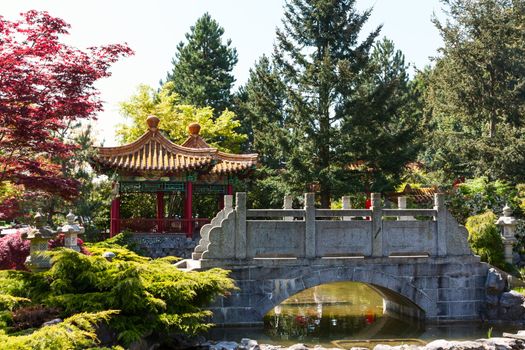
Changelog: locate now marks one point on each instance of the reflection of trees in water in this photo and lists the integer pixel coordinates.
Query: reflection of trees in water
(298, 327)
(335, 311)
(350, 293)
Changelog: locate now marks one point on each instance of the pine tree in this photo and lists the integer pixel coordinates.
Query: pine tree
(317, 44)
(381, 120)
(477, 90)
(202, 67)
(262, 105)
(345, 104)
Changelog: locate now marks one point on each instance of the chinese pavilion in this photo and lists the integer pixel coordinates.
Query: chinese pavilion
(154, 164)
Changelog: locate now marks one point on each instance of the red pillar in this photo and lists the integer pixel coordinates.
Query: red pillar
(160, 211)
(114, 224)
(188, 212)
(229, 189)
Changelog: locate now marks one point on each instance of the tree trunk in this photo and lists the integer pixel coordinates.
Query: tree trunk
(492, 126)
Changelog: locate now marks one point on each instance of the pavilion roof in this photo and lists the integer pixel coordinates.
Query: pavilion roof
(154, 152)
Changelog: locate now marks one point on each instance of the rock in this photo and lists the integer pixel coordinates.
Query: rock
(225, 345)
(511, 299)
(249, 344)
(299, 346)
(512, 313)
(495, 283)
(442, 344)
(270, 347)
(52, 322)
(492, 300)
(503, 343)
(398, 347)
(492, 313)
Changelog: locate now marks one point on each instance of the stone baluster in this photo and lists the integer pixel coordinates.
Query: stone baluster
(402, 204)
(346, 205)
(377, 225)
(441, 222)
(309, 217)
(287, 204)
(240, 223)
(228, 203)
(508, 224)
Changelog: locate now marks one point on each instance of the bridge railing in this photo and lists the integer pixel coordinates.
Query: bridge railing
(311, 233)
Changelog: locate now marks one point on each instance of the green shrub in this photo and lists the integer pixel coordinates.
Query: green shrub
(152, 296)
(76, 332)
(485, 239)
(476, 196)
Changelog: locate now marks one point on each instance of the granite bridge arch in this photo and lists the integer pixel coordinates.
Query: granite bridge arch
(421, 268)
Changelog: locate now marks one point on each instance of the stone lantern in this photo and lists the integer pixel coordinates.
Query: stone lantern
(508, 233)
(38, 238)
(71, 231)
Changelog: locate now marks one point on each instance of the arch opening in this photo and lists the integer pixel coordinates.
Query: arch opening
(342, 309)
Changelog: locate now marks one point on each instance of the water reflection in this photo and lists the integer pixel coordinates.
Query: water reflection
(345, 310)
(332, 313)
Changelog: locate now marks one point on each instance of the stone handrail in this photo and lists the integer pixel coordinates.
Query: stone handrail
(240, 233)
(252, 213)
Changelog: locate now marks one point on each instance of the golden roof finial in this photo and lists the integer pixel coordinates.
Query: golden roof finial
(153, 122)
(194, 129)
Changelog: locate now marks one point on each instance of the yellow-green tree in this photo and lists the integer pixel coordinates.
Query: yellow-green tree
(175, 118)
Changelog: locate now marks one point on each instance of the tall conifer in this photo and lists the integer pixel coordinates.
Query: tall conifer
(477, 91)
(202, 66)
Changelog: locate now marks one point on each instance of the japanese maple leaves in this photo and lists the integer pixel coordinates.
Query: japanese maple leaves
(45, 87)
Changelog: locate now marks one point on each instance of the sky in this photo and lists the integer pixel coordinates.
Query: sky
(153, 29)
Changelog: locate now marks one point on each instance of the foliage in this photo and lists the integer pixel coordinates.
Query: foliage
(9, 200)
(202, 67)
(121, 245)
(485, 239)
(75, 332)
(219, 132)
(152, 295)
(475, 196)
(344, 101)
(9, 302)
(262, 105)
(475, 92)
(13, 252)
(381, 120)
(45, 86)
(316, 47)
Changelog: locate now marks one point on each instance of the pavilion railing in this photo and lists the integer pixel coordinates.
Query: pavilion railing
(165, 225)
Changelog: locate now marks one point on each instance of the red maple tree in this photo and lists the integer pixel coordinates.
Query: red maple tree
(45, 86)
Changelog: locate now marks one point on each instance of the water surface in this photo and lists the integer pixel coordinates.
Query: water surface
(335, 313)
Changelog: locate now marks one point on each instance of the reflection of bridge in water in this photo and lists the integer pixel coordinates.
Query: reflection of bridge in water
(422, 268)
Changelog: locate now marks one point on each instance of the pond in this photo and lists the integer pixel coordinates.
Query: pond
(337, 314)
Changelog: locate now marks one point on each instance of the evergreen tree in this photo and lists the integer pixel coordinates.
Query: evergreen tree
(477, 90)
(381, 120)
(344, 105)
(202, 67)
(261, 103)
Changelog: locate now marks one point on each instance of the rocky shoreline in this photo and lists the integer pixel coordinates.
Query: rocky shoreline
(507, 342)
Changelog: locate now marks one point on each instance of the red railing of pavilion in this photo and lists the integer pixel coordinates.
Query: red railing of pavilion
(166, 225)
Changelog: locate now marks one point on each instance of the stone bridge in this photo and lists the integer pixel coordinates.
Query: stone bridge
(417, 259)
